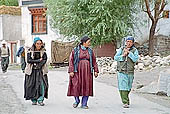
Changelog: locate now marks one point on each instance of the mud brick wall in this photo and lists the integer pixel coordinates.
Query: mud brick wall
(162, 43)
(105, 50)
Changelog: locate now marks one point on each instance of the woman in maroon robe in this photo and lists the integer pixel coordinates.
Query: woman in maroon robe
(82, 63)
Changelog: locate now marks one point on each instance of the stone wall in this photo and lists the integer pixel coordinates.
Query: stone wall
(162, 43)
(161, 46)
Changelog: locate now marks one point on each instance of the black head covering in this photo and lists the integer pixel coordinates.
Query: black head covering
(84, 39)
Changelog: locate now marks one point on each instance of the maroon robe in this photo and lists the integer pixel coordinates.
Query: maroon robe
(82, 82)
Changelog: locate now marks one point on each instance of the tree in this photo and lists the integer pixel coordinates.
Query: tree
(103, 20)
(158, 7)
(9, 2)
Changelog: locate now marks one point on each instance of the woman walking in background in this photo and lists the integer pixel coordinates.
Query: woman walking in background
(82, 62)
(21, 53)
(4, 56)
(36, 81)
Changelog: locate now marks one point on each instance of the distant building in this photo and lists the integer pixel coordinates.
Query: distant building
(10, 29)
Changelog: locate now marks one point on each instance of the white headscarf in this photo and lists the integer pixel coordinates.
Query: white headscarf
(3, 42)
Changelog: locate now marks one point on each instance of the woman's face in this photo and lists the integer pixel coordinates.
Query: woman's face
(87, 43)
(129, 43)
(38, 45)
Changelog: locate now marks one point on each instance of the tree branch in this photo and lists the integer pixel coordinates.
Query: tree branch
(162, 6)
(157, 7)
(148, 10)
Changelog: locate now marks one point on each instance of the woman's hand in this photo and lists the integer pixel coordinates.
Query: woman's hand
(41, 59)
(95, 74)
(125, 52)
(71, 74)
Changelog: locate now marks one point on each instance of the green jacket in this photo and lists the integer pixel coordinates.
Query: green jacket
(126, 66)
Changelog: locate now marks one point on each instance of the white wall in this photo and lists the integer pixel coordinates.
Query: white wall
(142, 32)
(10, 30)
(26, 32)
(1, 30)
(11, 27)
(163, 26)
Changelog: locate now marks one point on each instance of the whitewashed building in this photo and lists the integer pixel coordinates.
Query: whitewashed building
(142, 31)
(10, 29)
(35, 23)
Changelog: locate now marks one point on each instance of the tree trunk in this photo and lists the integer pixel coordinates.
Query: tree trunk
(151, 37)
(158, 8)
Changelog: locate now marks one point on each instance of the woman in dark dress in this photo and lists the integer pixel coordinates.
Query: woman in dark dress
(36, 81)
(82, 64)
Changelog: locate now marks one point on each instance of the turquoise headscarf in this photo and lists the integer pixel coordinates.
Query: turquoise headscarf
(36, 39)
(130, 38)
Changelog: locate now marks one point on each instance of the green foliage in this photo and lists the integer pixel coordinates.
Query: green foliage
(103, 20)
(9, 2)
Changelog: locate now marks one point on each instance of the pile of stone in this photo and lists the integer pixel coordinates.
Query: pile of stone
(148, 63)
(108, 65)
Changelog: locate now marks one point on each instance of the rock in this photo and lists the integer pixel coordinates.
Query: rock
(164, 63)
(140, 66)
(114, 65)
(147, 62)
(148, 57)
(112, 71)
(154, 64)
(104, 70)
(154, 58)
(168, 58)
(158, 60)
(151, 88)
(142, 58)
(161, 93)
(139, 86)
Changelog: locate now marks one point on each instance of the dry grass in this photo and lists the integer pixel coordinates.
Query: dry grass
(11, 10)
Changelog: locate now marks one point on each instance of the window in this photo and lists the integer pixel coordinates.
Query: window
(39, 20)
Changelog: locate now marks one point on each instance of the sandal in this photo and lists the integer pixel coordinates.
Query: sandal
(34, 103)
(41, 103)
(125, 106)
(84, 107)
(75, 105)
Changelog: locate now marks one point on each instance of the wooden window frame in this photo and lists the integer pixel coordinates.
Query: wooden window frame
(39, 20)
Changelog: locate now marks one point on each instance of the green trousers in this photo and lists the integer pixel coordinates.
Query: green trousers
(124, 96)
(41, 98)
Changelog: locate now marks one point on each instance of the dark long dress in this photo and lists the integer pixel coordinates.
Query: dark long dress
(33, 82)
(82, 82)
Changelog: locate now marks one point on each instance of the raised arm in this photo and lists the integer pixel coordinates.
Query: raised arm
(119, 55)
(44, 60)
(134, 56)
(30, 60)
